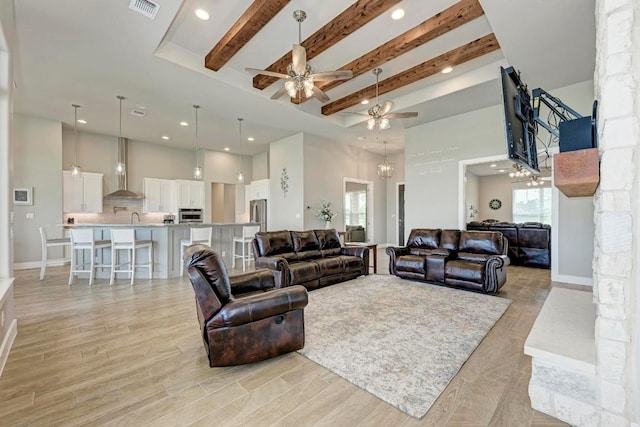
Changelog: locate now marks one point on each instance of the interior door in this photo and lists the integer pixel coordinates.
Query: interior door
(401, 215)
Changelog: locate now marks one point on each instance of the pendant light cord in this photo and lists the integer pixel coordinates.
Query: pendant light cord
(75, 132)
(240, 119)
(196, 107)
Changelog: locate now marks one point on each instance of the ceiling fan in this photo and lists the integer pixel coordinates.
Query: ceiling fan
(300, 76)
(380, 114)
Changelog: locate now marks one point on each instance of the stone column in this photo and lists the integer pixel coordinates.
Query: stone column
(617, 211)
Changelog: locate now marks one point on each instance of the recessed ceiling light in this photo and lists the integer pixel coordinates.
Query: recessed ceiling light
(502, 171)
(447, 70)
(251, 138)
(165, 137)
(82, 121)
(493, 165)
(184, 124)
(364, 146)
(364, 102)
(226, 149)
(202, 14)
(361, 138)
(397, 14)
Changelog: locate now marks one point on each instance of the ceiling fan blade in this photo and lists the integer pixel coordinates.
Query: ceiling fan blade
(326, 76)
(385, 108)
(266, 73)
(320, 95)
(401, 115)
(279, 93)
(299, 59)
(356, 114)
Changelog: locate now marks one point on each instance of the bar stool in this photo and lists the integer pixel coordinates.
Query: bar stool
(51, 243)
(248, 233)
(83, 240)
(196, 235)
(125, 239)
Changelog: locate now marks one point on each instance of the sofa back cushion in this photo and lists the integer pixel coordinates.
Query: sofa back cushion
(306, 244)
(450, 239)
(272, 243)
(481, 242)
(329, 242)
(424, 238)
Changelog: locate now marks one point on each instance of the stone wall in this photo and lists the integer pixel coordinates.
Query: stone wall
(617, 210)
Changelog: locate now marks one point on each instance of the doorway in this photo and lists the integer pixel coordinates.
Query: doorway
(223, 202)
(358, 209)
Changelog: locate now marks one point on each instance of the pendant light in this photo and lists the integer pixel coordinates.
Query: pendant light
(385, 169)
(240, 175)
(197, 170)
(121, 167)
(75, 169)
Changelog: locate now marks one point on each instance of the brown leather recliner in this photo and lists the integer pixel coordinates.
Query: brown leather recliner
(243, 318)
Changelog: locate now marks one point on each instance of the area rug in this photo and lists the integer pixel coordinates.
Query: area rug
(401, 341)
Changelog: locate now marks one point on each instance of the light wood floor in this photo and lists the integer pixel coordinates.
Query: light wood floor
(132, 356)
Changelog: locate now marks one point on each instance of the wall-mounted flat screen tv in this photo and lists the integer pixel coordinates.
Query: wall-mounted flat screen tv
(520, 127)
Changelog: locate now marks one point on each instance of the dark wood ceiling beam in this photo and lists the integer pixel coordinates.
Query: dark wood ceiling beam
(351, 19)
(453, 17)
(457, 56)
(252, 20)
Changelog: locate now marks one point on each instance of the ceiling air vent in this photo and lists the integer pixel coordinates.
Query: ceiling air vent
(146, 7)
(138, 113)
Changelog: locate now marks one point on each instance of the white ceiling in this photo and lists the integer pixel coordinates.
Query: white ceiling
(89, 51)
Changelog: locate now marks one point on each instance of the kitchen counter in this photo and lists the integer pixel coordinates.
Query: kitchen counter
(166, 244)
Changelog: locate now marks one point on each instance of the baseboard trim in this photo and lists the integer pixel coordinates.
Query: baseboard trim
(7, 343)
(38, 264)
(575, 280)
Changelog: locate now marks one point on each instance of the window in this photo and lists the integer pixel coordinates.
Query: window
(355, 208)
(532, 205)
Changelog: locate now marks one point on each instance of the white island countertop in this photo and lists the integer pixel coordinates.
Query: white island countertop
(144, 224)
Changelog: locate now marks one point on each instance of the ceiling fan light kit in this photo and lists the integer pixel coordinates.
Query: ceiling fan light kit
(300, 78)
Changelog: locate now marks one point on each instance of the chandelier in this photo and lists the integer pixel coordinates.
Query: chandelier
(197, 170)
(518, 171)
(534, 181)
(385, 169)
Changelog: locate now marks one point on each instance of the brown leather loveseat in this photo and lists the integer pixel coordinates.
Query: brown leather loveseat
(313, 258)
(475, 260)
(243, 318)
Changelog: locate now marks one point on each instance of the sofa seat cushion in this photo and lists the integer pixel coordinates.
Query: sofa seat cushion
(426, 252)
(410, 263)
(352, 264)
(329, 266)
(301, 272)
(467, 271)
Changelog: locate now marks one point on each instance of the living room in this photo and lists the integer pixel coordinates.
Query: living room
(430, 162)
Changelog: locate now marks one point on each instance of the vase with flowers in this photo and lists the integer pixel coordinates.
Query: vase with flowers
(326, 214)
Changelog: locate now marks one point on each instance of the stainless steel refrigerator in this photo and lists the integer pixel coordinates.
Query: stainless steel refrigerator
(258, 212)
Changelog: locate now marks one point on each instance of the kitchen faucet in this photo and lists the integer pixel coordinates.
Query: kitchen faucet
(136, 214)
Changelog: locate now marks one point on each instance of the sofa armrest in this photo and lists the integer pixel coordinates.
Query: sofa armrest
(496, 272)
(259, 306)
(244, 283)
(358, 251)
(394, 252)
(272, 263)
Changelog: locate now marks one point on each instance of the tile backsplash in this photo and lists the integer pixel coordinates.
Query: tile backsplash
(117, 216)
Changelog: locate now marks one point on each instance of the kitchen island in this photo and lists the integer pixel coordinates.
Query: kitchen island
(166, 244)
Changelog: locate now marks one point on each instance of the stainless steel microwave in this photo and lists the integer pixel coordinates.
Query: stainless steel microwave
(189, 216)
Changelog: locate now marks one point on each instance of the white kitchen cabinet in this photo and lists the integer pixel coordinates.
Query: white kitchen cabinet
(259, 189)
(159, 196)
(82, 194)
(190, 194)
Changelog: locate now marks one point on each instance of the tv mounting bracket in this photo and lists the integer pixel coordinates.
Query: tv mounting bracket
(558, 108)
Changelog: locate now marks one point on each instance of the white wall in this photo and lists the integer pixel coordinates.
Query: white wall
(222, 167)
(287, 210)
(260, 166)
(37, 164)
(472, 197)
(326, 164)
(496, 187)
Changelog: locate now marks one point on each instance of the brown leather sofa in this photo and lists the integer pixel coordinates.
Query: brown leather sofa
(243, 318)
(313, 258)
(461, 259)
(529, 243)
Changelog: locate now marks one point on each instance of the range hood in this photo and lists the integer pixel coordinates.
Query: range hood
(122, 192)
